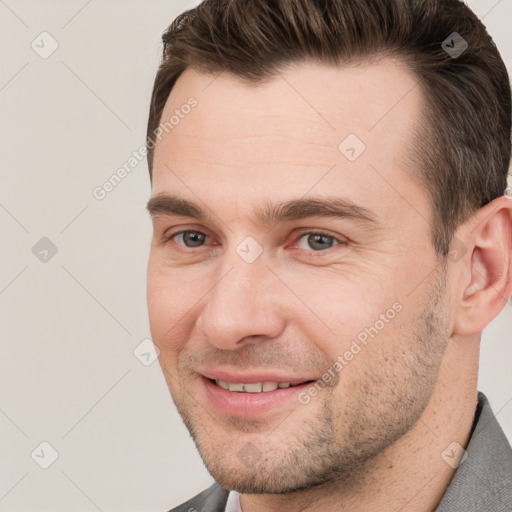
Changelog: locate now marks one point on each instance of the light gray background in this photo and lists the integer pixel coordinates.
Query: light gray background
(69, 326)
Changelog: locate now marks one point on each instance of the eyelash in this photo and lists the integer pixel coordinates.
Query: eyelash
(299, 237)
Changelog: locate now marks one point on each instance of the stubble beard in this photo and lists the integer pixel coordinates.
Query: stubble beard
(337, 444)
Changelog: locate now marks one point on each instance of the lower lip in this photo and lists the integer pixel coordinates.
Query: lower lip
(235, 403)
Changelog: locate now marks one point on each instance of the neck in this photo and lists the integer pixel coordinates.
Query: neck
(412, 474)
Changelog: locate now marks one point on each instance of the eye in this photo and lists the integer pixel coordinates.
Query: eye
(317, 241)
(190, 238)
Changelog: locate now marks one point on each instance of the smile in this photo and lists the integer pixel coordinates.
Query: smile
(253, 387)
(252, 399)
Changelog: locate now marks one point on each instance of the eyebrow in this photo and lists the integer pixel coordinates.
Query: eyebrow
(270, 213)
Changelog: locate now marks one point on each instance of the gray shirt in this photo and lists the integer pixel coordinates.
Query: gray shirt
(482, 483)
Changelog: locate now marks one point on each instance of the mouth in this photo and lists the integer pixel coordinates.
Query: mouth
(256, 387)
(253, 399)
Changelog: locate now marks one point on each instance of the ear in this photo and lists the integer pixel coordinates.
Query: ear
(486, 276)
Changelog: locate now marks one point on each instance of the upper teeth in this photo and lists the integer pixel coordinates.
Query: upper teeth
(253, 387)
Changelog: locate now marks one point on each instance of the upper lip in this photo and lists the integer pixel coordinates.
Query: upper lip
(251, 377)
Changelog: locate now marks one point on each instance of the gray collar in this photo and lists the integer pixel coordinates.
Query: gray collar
(483, 482)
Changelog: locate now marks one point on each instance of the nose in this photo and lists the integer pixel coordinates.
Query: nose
(244, 305)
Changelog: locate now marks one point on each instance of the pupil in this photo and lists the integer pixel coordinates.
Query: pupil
(193, 237)
(318, 239)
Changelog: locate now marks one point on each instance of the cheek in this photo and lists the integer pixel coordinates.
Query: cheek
(168, 299)
(355, 319)
(175, 297)
(341, 301)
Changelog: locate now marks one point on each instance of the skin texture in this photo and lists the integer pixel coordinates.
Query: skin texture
(373, 437)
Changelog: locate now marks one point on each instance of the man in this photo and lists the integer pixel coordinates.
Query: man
(332, 233)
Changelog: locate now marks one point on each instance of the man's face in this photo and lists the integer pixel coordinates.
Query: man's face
(354, 300)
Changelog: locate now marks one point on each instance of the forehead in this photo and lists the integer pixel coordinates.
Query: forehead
(359, 120)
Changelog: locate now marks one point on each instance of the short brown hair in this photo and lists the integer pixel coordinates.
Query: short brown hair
(462, 149)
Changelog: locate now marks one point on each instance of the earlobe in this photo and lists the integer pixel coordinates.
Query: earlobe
(488, 237)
